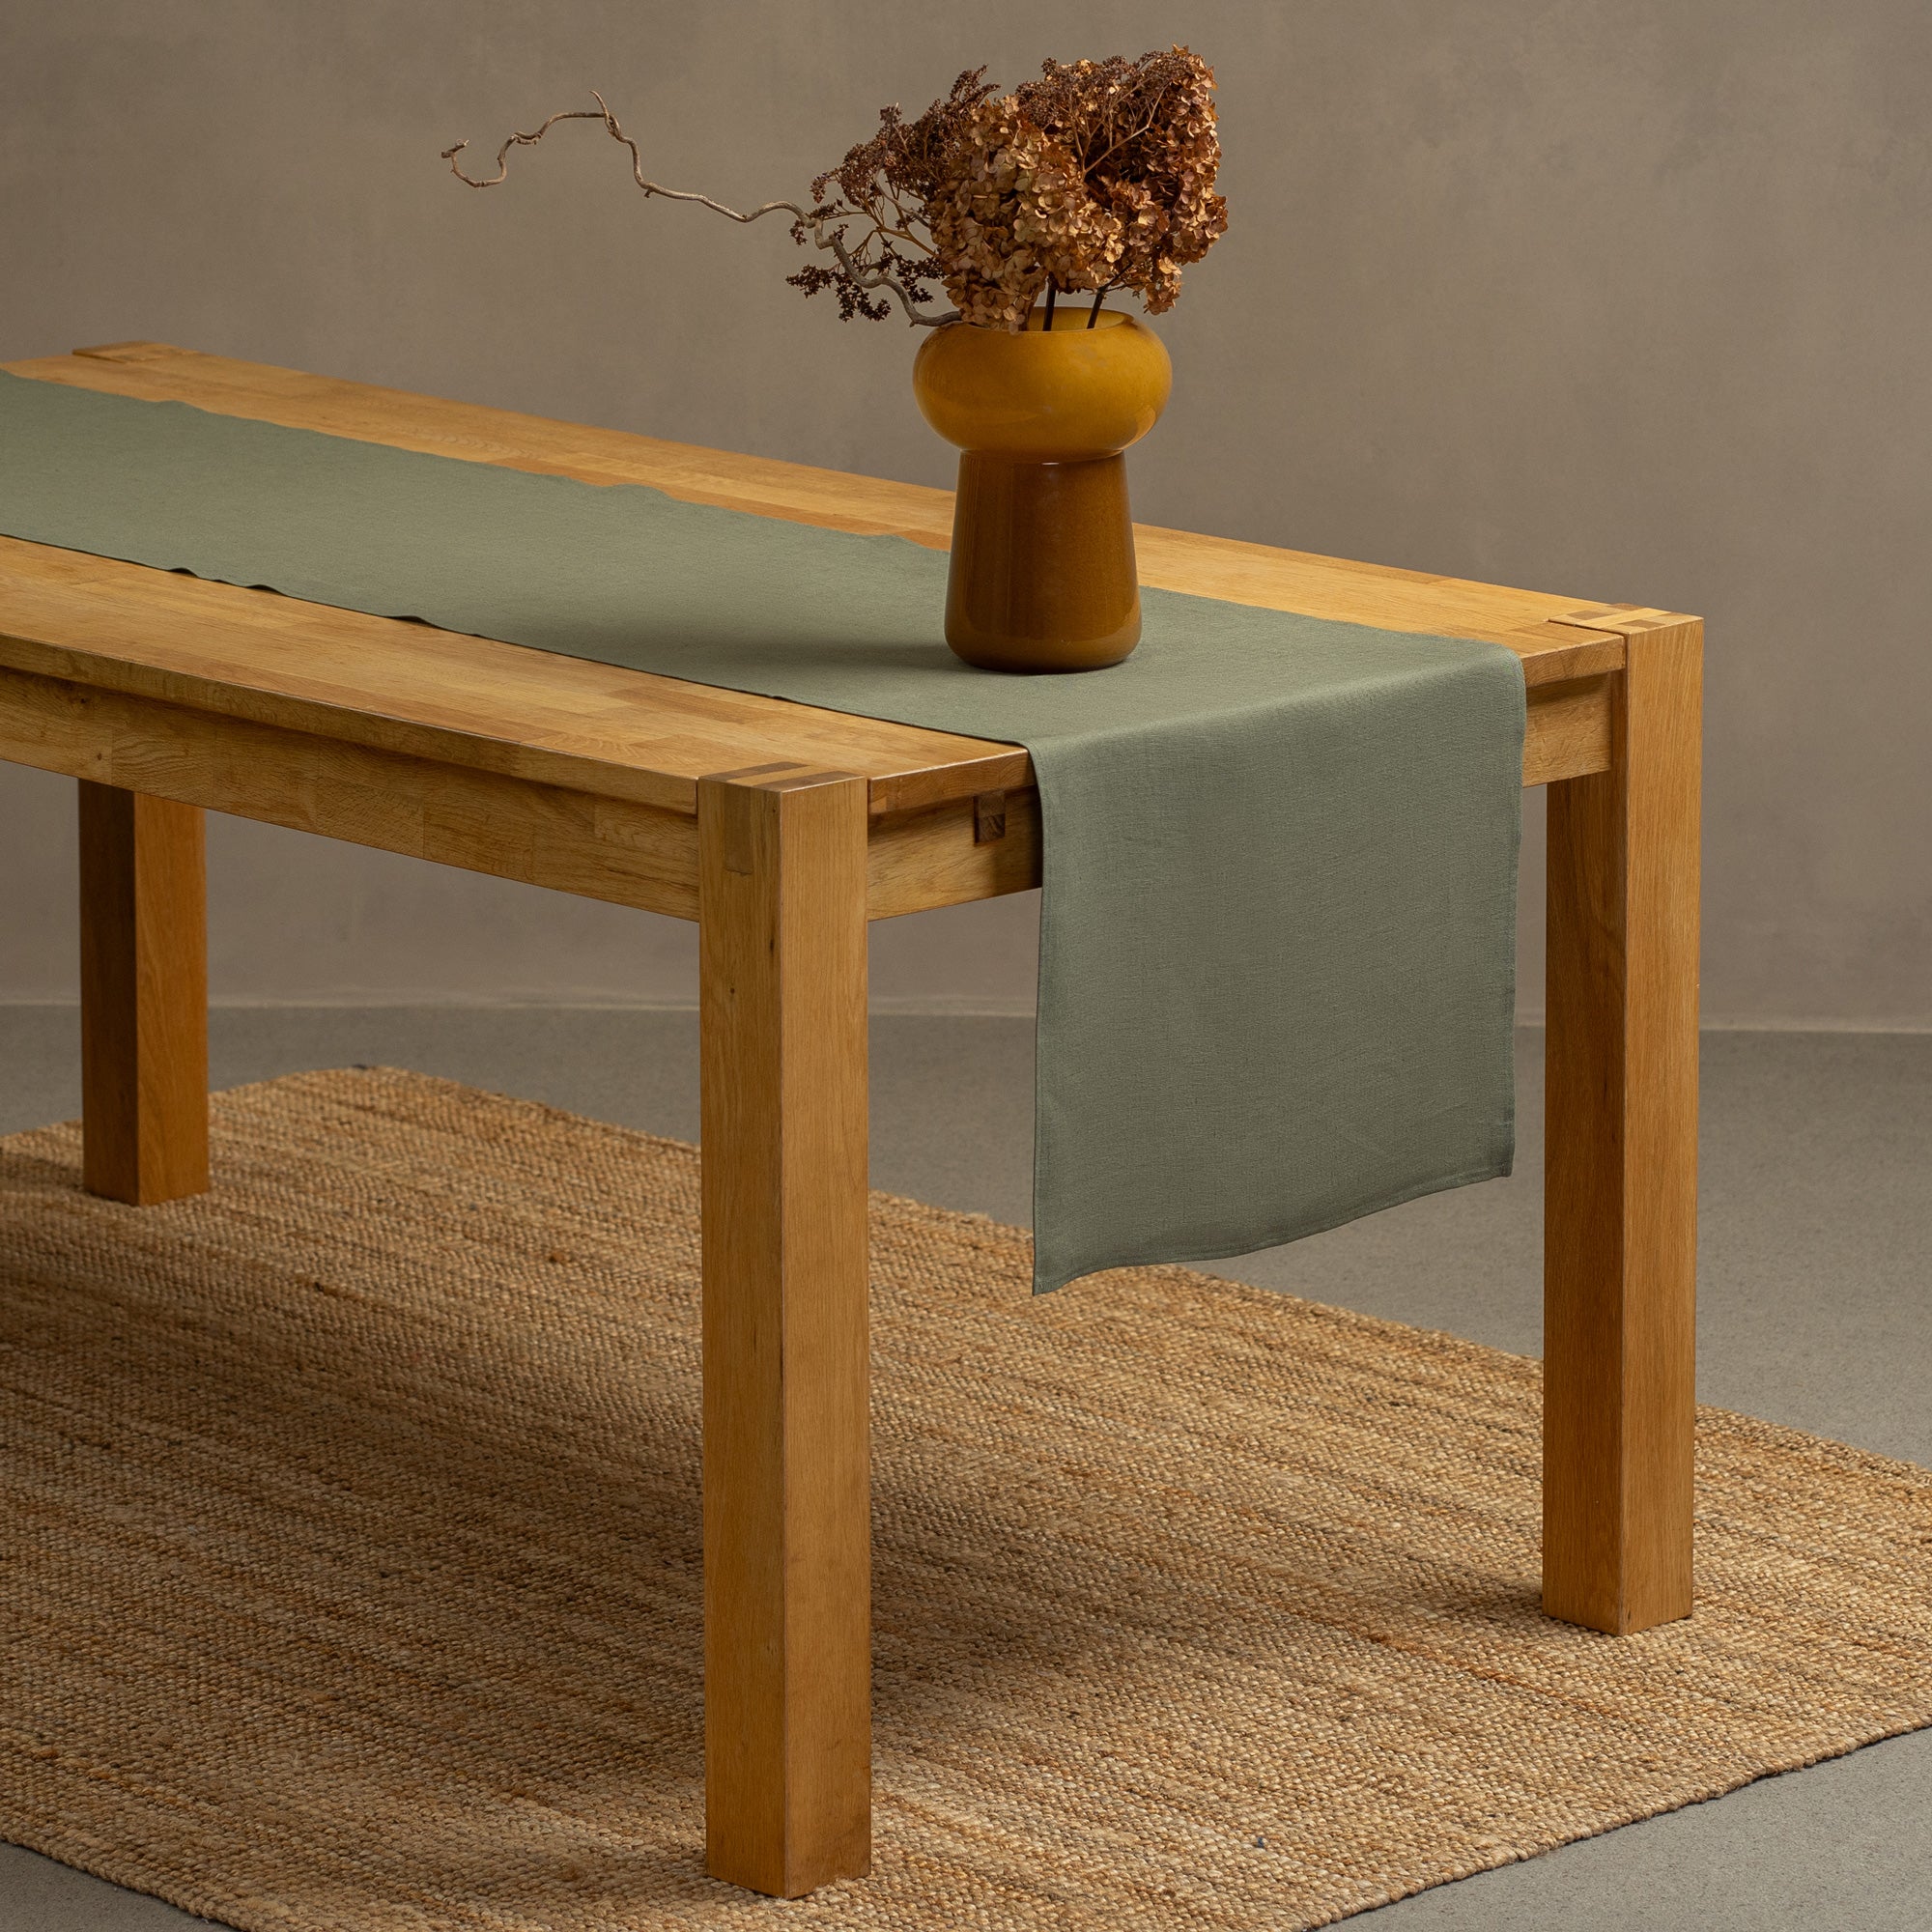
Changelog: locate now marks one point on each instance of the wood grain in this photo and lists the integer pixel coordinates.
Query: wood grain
(143, 997)
(1621, 1166)
(592, 846)
(597, 847)
(935, 857)
(411, 687)
(1567, 730)
(786, 1460)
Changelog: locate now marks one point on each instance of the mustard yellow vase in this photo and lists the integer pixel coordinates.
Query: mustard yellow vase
(1043, 576)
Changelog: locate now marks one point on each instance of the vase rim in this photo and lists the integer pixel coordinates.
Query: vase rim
(1068, 319)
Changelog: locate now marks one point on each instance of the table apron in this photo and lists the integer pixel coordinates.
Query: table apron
(586, 843)
(602, 848)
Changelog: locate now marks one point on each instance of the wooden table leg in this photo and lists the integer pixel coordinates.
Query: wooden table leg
(143, 996)
(1619, 1224)
(787, 1541)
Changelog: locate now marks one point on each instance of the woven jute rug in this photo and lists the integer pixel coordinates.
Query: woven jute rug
(350, 1573)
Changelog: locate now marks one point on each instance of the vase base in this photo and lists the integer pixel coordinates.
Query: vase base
(1042, 575)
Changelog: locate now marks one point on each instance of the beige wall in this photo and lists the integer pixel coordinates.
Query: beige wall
(1622, 297)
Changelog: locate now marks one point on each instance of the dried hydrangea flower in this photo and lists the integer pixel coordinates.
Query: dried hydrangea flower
(1100, 175)
(1097, 176)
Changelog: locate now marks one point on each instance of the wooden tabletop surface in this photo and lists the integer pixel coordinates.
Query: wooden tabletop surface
(590, 726)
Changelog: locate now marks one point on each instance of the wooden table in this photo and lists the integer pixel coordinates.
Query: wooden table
(783, 830)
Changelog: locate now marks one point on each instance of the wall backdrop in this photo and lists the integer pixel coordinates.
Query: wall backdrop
(1626, 299)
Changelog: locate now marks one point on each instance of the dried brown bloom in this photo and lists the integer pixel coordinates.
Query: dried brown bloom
(1100, 175)
(875, 226)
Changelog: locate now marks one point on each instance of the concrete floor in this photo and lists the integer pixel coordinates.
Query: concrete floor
(1815, 1310)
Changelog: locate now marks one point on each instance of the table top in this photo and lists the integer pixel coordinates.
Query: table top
(407, 687)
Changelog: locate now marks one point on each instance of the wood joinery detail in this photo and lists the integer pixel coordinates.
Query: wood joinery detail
(143, 997)
(1621, 1190)
(787, 1615)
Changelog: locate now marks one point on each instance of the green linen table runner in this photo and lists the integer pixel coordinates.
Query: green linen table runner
(1277, 942)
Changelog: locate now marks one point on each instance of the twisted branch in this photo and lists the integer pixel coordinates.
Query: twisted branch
(825, 226)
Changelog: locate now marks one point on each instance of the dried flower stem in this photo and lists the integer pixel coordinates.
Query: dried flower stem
(825, 228)
(1100, 175)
